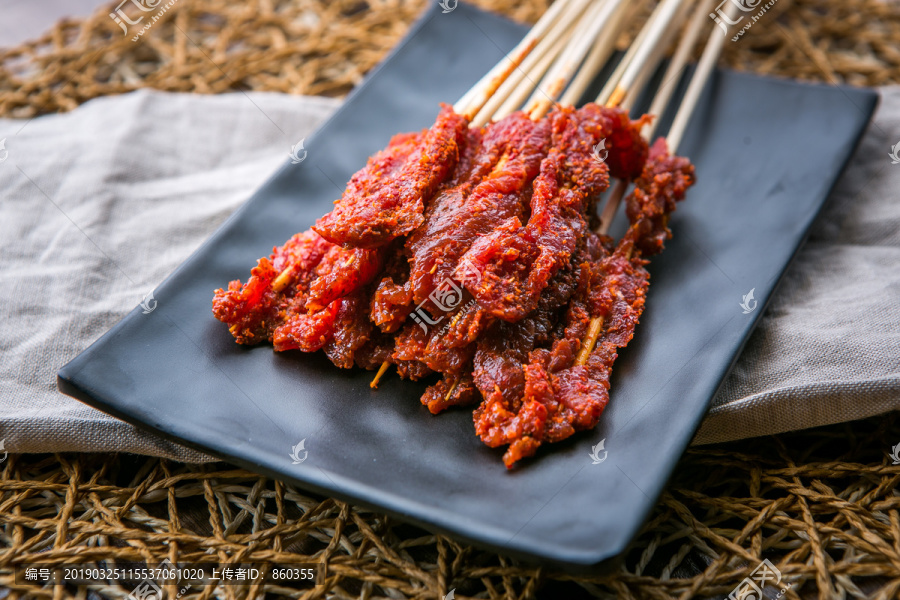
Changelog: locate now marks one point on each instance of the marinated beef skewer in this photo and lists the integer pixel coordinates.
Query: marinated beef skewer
(660, 100)
(547, 410)
(302, 305)
(293, 297)
(382, 204)
(511, 281)
(517, 260)
(701, 74)
(487, 202)
(562, 199)
(496, 189)
(565, 386)
(385, 201)
(255, 310)
(485, 233)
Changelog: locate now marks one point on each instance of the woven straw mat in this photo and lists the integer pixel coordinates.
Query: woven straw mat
(821, 505)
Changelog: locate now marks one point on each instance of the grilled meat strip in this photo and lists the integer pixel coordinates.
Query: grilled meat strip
(517, 261)
(387, 197)
(559, 394)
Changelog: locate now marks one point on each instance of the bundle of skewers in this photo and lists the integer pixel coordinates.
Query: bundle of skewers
(476, 253)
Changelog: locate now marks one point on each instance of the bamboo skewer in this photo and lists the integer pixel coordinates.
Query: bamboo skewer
(493, 84)
(283, 279)
(676, 65)
(532, 68)
(606, 92)
(520, 95)
(660, 101)
(599, 20)
(593, 333)
(646, 70)
(600, 53)
(452, 388)
(701, 75)
(697, 84)
(651, 37)
(612, 206)
(483, 90)
(381, 371)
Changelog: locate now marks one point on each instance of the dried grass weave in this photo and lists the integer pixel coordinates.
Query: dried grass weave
(324, 47)
(821, 505)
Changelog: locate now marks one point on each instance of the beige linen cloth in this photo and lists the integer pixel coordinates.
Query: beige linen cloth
(100, 204)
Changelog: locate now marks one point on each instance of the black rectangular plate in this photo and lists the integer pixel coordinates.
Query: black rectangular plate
(767, 154)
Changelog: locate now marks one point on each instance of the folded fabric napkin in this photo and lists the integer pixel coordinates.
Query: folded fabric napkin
(101, 203)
